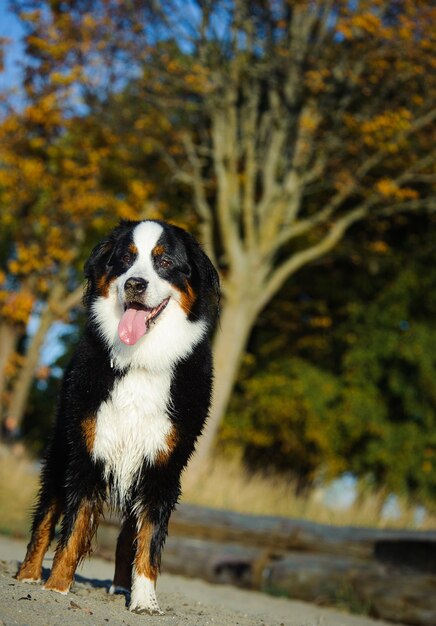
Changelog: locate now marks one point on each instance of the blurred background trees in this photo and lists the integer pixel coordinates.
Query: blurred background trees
(297, 139)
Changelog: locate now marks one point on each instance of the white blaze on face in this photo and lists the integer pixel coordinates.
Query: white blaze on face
(135, 322)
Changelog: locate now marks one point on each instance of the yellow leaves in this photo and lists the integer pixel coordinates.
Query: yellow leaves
(140, 190)
(27, 259)
(13, 365)
(387, 188)
(386, 124)
(15, 308)
(309, 120)
(368, 22)
(360, 24)
(385, 131)
(317, 80)
(321, 321)
(45, 112)
(379, 247)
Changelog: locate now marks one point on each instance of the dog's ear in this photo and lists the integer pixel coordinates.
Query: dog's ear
(214, 287)
(100, 258)
(209, 279)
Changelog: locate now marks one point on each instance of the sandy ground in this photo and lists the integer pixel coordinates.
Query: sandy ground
(186, 602)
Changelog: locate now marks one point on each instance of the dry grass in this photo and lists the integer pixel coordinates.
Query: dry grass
(228, 486)
(225, 486)
(18, 487)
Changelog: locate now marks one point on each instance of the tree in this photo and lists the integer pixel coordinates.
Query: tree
(298, 120)
(294, 120)
(341, 380)
(284, 418)
(55, 199)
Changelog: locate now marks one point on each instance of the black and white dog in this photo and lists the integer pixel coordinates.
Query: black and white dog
(133, 401)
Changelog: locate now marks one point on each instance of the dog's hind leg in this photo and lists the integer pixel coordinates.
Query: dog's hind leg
(46, 515)
(78, 527)
(44, 522)
(124, 556)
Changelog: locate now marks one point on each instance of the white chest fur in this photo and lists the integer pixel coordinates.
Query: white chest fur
(132, 427)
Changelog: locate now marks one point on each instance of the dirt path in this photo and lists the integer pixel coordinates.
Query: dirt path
(186, 602)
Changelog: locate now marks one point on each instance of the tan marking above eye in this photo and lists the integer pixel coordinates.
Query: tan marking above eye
(158, 250)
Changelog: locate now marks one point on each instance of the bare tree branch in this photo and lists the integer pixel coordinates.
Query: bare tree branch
(196, 180)
(297, 260)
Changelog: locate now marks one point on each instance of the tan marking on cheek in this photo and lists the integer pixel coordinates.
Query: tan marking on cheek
(143, 565)
(78, 545)
(171, 441)
(103, 284)
(88, 430)
(187, 298)
(32, 565)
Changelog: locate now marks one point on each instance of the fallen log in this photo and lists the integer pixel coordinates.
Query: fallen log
(382, 591)
(280, 533)
(401, 595)
(401, 547)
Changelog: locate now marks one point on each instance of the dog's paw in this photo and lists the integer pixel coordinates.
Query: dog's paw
(23, 579)
(146, 610)
(58, 587)
(28, 573)
(143, 598)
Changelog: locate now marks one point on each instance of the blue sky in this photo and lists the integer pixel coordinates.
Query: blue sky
(10, 28)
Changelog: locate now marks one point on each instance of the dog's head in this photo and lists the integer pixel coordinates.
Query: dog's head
(149, 274)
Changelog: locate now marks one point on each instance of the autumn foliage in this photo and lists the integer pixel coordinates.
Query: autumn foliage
(271, 128)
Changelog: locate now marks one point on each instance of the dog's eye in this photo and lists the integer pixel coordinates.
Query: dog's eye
(165, 263)
(127, 258)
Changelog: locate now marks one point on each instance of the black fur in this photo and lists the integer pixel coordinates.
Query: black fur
(70, 476)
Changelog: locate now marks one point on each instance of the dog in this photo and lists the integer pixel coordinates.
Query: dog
(133, 401)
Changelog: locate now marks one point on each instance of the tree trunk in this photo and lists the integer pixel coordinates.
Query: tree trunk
(57, 306)
(235, 325)
(9, 337)
(23, 384)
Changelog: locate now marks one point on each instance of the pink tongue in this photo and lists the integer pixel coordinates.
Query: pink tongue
(132, 326)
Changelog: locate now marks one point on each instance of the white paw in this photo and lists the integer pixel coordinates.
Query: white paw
(143, 598)
(29, 580)
(149, 610)
(63, 592)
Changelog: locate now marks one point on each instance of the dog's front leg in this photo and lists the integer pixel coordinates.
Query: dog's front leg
(145, 569)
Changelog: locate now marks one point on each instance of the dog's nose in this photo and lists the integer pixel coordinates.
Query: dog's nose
(135, 286)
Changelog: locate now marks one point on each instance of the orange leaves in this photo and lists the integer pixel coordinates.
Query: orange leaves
(379, 247)
(317, 80)
(388, 123)
(359, 24)
(15, 308)
(384, 131)
(389, 189)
